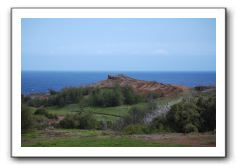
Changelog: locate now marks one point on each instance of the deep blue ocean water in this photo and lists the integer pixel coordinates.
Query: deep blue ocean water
(41, 81)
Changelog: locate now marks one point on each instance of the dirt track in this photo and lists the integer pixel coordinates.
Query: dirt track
(194, 140)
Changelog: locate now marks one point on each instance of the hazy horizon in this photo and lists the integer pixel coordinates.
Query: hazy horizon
(118, 71)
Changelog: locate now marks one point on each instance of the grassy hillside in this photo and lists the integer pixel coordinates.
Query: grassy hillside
(119, 116)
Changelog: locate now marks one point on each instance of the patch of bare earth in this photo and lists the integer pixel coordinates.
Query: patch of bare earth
(141, 86)
(192, 140)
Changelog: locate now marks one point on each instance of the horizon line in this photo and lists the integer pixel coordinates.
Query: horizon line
(118, 70)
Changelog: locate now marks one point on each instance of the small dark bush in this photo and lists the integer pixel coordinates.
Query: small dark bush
(70, 121)
(136, 129)
(26, 118)
(45, 113)
(40, 122)
(160, 124)
(190, 128)
(201, 88)
(80, 120)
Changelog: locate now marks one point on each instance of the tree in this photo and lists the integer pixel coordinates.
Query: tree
(129, 96)
(106, 97)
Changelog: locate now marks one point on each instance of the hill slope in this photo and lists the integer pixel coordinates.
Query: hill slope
(141, 86)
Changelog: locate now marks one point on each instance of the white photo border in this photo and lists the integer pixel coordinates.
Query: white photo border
(115, 12)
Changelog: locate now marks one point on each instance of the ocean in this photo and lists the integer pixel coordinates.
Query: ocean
(42, 81)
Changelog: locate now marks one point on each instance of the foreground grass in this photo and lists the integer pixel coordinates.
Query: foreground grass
(85, 138)
(97, 138)
(99, 142)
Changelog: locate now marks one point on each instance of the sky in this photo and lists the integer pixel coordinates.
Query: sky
(118, 44)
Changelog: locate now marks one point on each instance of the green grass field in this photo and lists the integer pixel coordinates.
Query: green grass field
(99, 138)
(107, 113)
(85, 138)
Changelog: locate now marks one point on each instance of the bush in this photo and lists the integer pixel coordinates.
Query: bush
(193, 114)
(87, 121)
(26, 118)
(135, 129)
(45, 113)
(36, 102)
(136, 115)
(160, 124)
(67, 96)
(106, 97)
(201, 88)
(70, 121)
(181, 115)
(80, 120)
(130, 97)
(103, 97)
(40, 122)
(190, 128)
(207, 110)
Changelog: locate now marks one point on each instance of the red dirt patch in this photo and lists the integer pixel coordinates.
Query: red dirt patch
(141, 86)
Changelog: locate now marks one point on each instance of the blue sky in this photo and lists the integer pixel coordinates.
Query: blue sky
(119, 44)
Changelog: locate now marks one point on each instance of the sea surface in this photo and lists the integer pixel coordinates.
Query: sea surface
(42, 81)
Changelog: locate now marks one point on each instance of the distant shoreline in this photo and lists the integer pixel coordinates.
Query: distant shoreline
(196, 71)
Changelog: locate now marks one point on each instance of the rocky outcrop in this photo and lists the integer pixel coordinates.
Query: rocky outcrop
(141, 86)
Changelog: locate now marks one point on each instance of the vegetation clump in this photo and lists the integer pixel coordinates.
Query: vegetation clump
(43, 112)
(136, 129)
(26, 118)
(80, 121)
(195, 114)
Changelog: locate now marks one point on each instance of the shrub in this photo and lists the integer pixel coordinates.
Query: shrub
(40, 111)
(40, 122)
(45, 113)
(70, 121)
(136, 115)
(201, 88)
(129, 96)
(106, 97)
(26, 118)
(67, 96)
(36, 102)
(160, 124)
(193, 114)
(182, 114)
(207, 110)
(190, 128)
(87, 121)
(135, 129)
(80, 120)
